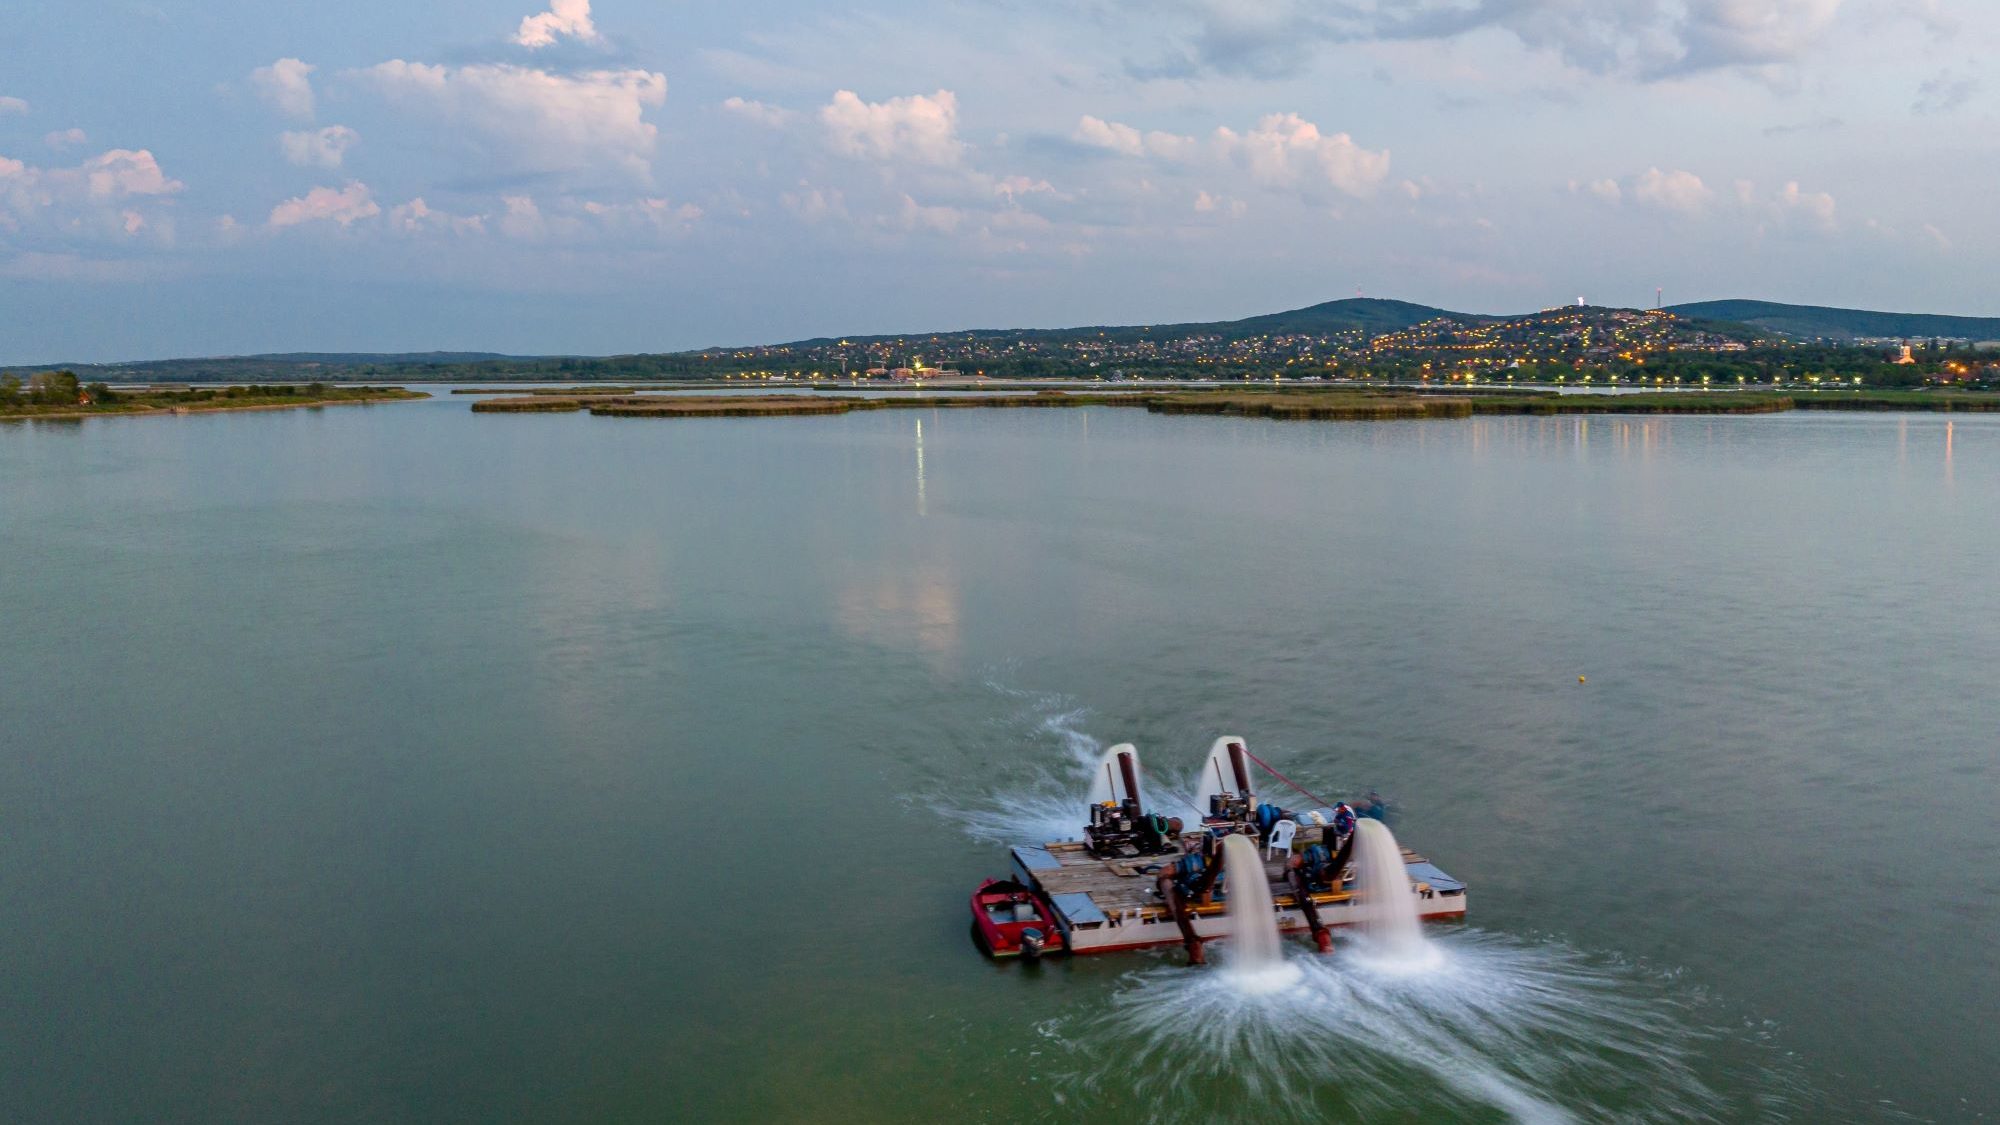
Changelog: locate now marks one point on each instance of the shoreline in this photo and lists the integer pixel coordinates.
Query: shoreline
(140, 410)
(1276, 405)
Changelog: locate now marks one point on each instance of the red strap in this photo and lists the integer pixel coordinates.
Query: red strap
(1279, 776)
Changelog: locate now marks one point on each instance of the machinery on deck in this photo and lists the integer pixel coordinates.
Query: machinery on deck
(1138, 878)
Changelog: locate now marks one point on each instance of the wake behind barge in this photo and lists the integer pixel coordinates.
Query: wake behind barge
(1138, 879)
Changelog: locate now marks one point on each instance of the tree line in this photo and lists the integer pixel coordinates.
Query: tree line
(52, 388)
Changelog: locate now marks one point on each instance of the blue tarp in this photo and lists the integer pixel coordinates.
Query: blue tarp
(1429, 873)
(1077, 908)
(1035, 859)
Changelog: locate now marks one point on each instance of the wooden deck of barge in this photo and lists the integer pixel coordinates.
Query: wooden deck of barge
(1121, 890)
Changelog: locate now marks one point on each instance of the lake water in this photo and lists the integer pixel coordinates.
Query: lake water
(396, 763)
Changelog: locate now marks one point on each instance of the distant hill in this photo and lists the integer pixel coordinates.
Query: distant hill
(1341, 330)
(1818, 323)
(1368, 314)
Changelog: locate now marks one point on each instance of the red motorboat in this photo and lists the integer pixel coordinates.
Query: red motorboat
(1013, 921)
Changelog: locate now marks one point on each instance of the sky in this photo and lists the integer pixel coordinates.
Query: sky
(208, 177)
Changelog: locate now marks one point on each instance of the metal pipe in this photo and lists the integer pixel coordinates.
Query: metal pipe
(1242, 771)
(1129, 766)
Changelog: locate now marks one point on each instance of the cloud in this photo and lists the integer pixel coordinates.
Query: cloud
(65, 138)
(10, 105)
(535, 120)
(123, 172)
(1283, 150)
(1817, 206)
(1206, 204)
(104, 197)
(344, 206)
(287, 85)
(417, 217)
(940, 220)
(766, 115)
(1641, 38)
(318, 148)
(1606, 189)
(523, 219)
(814, 204)
(117, 174)
(1128, 141)
(917, 129)
(1678, 191)
(659, 214)
(1099, 133)
(564, 18)
(1286, 150)
(1945, 92)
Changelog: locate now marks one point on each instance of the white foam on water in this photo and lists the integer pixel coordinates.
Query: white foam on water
(1533, 1031)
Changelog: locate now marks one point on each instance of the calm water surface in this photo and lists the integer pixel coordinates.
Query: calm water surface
(374, 764)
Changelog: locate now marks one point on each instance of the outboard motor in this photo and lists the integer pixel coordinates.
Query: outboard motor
(1033, 941)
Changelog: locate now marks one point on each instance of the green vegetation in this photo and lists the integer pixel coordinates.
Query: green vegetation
(1726, 344)
(59, 394)
(1336, 405)
(1817, 322)
(1330, 404)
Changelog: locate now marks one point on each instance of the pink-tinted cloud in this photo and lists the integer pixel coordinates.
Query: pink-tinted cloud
(918, 129)
(344, 206)
(565, 18)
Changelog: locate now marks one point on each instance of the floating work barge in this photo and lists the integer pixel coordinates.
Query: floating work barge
(1138, 879)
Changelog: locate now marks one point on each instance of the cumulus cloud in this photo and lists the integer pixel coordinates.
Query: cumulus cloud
(1206, 204)
(60, 139)
(104, 197)
(1818, 207)
(918, 129)
(767, 115)
(523, 218)
(11, 105)
(535, 120)
(1684, 193)
(117, 174)
(345, 205)
(318, 148)
(287, 85)
(917, 216)
(570, 18)
(1678, 191)
(814, 204)
(1128, 141)
(417, 217)
(1286, 150)
(1643, 38)
(658, 214)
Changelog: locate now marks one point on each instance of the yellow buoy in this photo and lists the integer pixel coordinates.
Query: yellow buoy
(1579, 679)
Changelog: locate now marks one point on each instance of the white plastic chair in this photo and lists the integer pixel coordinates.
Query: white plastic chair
(1281, 837)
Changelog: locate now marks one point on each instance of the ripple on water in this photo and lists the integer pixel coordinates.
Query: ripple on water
(1484, 1025)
